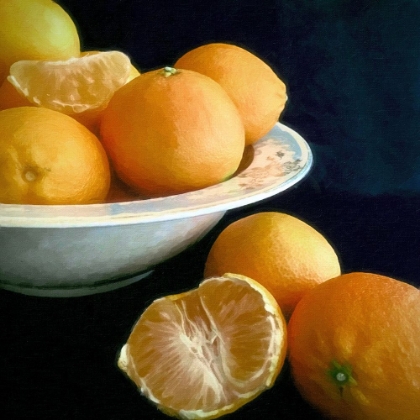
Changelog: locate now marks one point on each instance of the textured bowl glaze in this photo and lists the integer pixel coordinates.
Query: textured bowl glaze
(63, 251)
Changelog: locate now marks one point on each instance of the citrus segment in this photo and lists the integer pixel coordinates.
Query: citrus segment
(71, 86)
(354, 347)
(169, 132)
(285, 254)
(258, 93)
(49, 158)
(206, 352)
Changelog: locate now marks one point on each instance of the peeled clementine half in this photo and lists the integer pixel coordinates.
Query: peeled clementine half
(354, 348)
(256, 90)
(206, 352)
(169, 132)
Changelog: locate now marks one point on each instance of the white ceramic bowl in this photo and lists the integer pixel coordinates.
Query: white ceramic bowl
(83, 249)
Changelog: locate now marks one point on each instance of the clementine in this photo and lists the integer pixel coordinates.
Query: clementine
(171, 131)
(35, 30)
(256, 90)
(354, 348)
(10, 97)
(49, 158)
(283, 253)
(208, 351)
(120, 191)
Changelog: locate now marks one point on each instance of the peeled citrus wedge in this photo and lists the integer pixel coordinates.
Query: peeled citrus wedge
(206, 352)
(72, 86)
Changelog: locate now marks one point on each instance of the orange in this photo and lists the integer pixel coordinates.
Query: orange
(354, 348)
(10, 97)
(134, 72)
(169, 132)
(206, 352)
(49, 158)
(35, 30)
(80, 87)
(283, 253)
(120, 192)
(256, 90)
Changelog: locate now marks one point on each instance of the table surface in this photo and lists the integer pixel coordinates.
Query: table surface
(58, 355)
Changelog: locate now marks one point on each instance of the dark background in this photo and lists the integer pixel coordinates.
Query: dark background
(353, 74)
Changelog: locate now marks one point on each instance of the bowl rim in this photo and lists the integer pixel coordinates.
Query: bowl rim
(280, 160)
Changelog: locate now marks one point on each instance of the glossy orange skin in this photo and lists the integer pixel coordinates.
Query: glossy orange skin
(284, 254)
(49, 158)
(172, 133)
(257, 91)
(208, 351)
(354, 348)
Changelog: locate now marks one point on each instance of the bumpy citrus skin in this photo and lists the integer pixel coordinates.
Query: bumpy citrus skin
(169, 132)
(257, 91)
(49, 158)
(35, 30)
(286, 255)
(354, 348)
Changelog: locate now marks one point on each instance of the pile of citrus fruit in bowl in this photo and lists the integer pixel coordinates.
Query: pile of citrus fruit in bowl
(82, 127)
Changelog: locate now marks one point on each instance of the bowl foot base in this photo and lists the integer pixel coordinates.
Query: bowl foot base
(76, 291)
